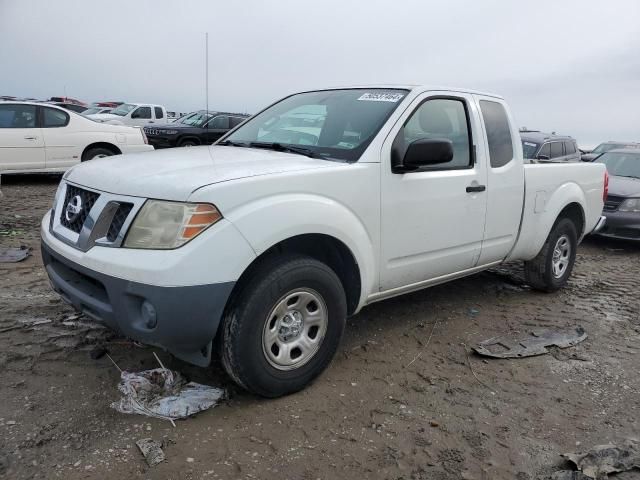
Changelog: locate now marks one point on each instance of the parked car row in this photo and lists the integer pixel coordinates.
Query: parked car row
(197, 128)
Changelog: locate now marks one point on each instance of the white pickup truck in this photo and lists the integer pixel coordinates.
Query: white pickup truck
(134, 115)
(260, 246)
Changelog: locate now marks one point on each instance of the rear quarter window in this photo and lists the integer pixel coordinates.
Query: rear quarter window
(496, 124)
(54, 118)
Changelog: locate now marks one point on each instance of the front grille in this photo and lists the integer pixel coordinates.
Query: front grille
(118, 221)
(612, 203)
(86, 202)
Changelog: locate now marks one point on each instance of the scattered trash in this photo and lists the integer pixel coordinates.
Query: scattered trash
(473, 312)
(14, 255)
(533, 344)
(164, 393)
(152, 451)
(601, 460)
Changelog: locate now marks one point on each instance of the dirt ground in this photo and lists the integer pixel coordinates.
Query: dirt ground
(392, 405)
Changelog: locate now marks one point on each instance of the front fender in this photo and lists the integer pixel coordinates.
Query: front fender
(268, 221)
(540, 213)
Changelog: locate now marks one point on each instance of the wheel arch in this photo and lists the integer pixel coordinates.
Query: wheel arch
(542, 212)
(182, 138)
(107, 145)
(324, 248)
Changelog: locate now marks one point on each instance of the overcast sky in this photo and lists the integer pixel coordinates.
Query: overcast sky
(570, 66)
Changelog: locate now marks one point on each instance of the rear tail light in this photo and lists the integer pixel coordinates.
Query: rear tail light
(144, 136)
(605, 191)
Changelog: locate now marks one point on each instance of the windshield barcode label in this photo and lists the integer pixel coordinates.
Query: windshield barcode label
(381, 97)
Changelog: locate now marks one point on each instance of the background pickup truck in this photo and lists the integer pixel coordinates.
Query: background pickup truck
(260, 246)
(133, 114)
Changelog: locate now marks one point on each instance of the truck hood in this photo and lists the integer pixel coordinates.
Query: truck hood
(175, 173)
(624, 186)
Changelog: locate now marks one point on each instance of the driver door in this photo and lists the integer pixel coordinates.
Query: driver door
(433, 218)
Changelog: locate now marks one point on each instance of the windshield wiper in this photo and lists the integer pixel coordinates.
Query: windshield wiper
(627, 176)
(232, 144)
(280, 147)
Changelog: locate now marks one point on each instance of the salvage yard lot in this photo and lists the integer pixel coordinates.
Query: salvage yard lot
(404, 397)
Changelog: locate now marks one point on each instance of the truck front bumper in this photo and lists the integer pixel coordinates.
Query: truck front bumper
(180, 319)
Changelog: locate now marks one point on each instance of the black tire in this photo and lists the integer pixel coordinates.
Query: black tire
(97, 152)
(243, 356)
(189, 142)
(539, 272)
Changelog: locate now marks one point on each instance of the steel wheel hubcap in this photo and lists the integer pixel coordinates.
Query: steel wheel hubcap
(294, 329)
(561, 254)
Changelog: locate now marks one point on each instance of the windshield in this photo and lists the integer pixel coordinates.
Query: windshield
(197, 119)
(622, 164)
(336, 124)
(529, 149)
(123, 109)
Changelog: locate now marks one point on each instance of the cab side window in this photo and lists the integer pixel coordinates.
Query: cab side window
(498, 133)
(545, 151)
(221, 122)
(439, 118)
(158, 112)
(556, 149)
(17, 116)
(142, 112)
(54, 118)
(569, 147)
(235, 121)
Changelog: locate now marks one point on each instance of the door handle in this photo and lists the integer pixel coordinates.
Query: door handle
(476, 188)
(30, 138)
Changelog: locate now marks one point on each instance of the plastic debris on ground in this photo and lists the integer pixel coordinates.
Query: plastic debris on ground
(531, 344)
(165, 394)
(600, 461)
(14, 255)
(152, 451)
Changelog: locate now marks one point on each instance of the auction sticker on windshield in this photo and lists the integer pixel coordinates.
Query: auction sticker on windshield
(382, 97)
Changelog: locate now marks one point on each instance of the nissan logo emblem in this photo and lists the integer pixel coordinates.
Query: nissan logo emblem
(74, 207)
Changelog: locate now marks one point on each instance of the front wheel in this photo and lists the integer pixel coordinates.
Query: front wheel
(284, 326)
(551, 268)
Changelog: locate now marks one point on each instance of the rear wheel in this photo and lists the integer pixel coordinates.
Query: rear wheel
(551, 268)
(284, 325)
(98, 152)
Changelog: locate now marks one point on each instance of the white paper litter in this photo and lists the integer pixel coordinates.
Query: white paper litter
(163, 393)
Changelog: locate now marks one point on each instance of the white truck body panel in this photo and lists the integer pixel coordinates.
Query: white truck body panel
(405, 231)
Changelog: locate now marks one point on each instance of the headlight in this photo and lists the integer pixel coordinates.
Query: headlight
(630, 205)
(166, 225)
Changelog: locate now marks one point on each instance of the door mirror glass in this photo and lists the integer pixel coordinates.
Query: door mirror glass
(428, 151)
(543, 157)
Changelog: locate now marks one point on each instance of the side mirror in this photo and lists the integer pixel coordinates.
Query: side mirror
(426, 151)
(543, 158)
